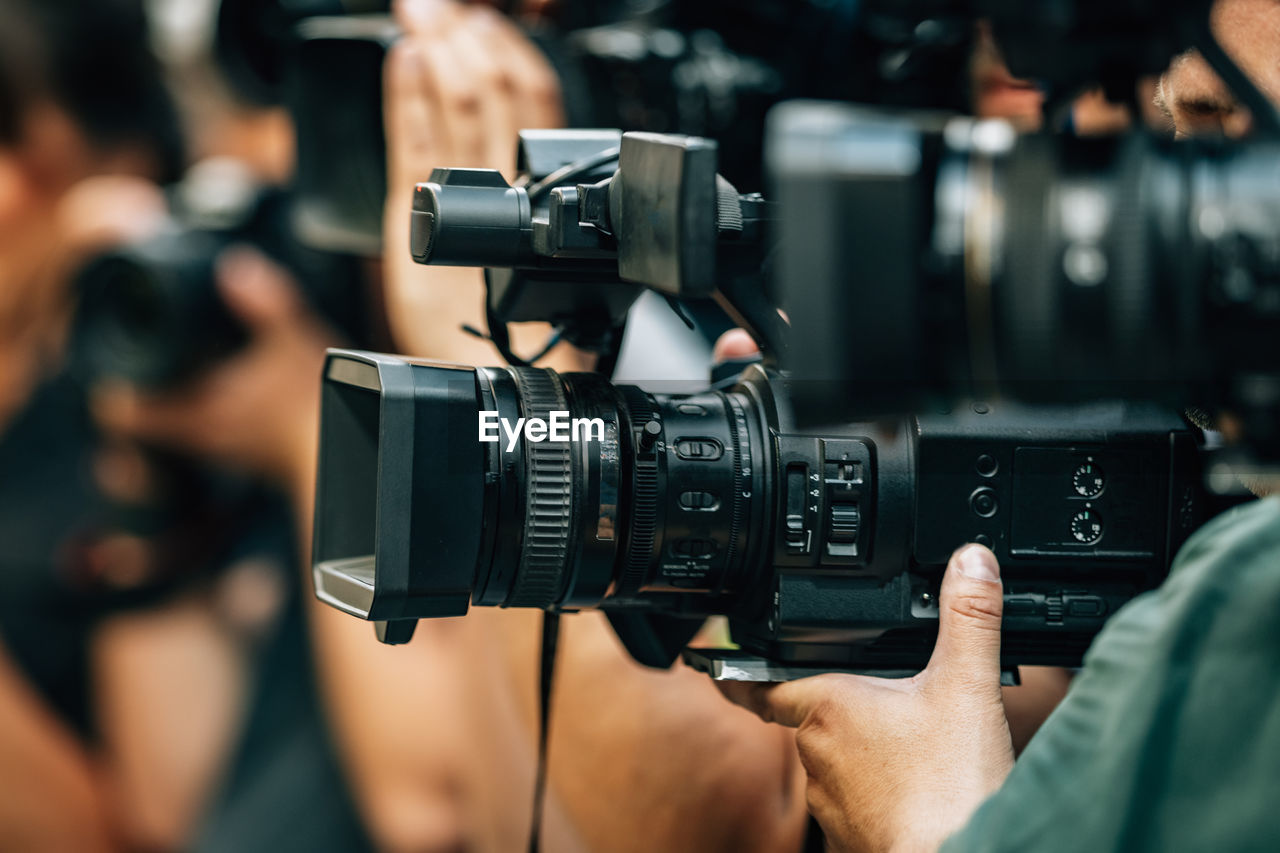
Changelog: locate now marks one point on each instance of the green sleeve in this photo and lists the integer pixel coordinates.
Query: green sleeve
(1169, 738)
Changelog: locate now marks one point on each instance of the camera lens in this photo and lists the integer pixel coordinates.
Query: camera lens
(124, 320)
(933, 259)
(576, 492)
(628, 495)
(139, 308)
(150, 313)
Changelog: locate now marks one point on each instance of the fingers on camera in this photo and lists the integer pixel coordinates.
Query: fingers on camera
(460, 85)
(534, 86)
(971, 606)
(412, 118)
(257, 291)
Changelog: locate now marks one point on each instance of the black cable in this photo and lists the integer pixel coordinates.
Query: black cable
(547, 666)
(500, 336)
(557, 335)
(567, 173)
(607, 355)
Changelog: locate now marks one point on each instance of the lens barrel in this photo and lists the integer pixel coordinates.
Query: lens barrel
(930, 258)
(521, 487)
(151, 313)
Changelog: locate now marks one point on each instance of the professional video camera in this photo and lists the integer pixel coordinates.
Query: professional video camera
(823, 542)
(150, 312)
(910, 253)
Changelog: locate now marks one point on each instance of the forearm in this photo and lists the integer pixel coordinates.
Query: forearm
(52, 796)
(378, 702)
(625, 737)
(170, 685)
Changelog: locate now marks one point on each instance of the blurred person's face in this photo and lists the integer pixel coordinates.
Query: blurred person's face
(48, 156)
(36, 168)
(46, 159)
(1193, 96)
(58, 128)
(50, 213)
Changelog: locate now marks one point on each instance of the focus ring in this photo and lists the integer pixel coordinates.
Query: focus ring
(644, 526)
(548, 497)
(644, 510)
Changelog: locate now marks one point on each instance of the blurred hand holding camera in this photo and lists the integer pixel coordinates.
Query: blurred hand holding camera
(460, 84)
(256, 411)
(464, 81)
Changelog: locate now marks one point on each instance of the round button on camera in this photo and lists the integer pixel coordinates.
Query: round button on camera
(983, 502)
(986, 466)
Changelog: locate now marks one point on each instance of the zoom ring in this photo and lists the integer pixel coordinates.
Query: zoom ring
(548, 497)
(644, 526)
(644, 512)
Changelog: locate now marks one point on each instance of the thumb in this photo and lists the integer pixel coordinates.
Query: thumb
(971, 604)
(735, 343)
(257, 291)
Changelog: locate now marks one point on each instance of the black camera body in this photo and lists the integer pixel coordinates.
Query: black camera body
(320, 59)
(1083, 506)
(823, 545)
(929, 257)
(150, 312)
(823, 541)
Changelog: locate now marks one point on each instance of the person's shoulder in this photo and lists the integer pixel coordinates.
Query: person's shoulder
(1242, 540)
(1229, 569)
(1226, 569)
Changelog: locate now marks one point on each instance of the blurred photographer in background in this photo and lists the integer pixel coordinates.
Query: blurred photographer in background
(1166, 739)
(407, 726)
(61, 122)
(137, 708)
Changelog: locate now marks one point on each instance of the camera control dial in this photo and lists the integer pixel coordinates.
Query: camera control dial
(1088, 480)
(1086, 527)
